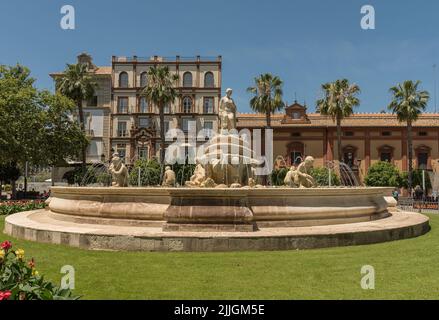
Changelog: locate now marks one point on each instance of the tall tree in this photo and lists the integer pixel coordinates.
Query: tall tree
(407, 103)
(267, 97)
(77, 84)
(160, 90)
(20, 117)
(340, 98)
(62, 136)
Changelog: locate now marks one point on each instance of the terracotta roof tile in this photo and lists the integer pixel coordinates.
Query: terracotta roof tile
(356, 120)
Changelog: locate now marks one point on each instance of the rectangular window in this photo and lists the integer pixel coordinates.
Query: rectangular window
(93, 101)
(144, 122)
(166, 126)
(143, 105)
(122, 129)
(143, 153)
(208, 125)
(423, 133)
(122, 105)
(167, 109)
(386, 133)
(185, 124)
(208, 105)
(348, 133)
(295, 134)
(121, 149)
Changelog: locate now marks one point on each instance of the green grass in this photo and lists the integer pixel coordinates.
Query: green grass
(406, 269)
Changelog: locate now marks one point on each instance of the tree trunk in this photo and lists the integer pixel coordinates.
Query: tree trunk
(162, 140)
(52, 175)
(340, 156)
(14, 189)
(81, 123)
(268, 118)
(410, 155)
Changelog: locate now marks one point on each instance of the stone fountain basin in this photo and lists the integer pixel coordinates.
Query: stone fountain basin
(225, 209)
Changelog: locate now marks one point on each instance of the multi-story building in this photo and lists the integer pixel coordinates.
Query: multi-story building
(119, 119)
(366, 138)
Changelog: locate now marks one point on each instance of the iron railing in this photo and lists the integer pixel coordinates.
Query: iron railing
(425, 205)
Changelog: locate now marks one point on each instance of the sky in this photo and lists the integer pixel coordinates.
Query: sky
(305, 43)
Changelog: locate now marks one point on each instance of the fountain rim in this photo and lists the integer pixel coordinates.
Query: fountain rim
(267, 191)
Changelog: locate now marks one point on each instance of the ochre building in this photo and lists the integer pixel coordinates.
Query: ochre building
(366, 138)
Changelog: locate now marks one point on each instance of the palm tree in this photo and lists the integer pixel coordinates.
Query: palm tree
(161, 91)
(77, 84)
(408, 103)
(267, 95)
(338, 102)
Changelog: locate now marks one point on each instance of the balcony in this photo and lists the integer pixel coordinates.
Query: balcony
(122, 133)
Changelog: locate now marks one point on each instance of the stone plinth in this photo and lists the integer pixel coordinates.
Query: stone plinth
(209, 210)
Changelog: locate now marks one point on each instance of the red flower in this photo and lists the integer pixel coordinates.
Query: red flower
(4, 295)
(6, 245)
(32, 263)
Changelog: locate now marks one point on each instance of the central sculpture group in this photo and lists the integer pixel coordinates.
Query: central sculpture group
(228, 161)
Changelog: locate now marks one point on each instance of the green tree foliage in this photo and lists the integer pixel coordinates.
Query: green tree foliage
(161, 91)
(321, 176)
(35, 126)
(416, 179)
(278, 176)
(149, 173)
(408, 102)
(267, 95)
(340, 98)
(63, 137)
(183, 173)
(383, 174)
(77, 84)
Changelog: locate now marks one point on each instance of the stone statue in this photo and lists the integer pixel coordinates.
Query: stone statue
(198, 177)
(227, 111)
(291, 178)
(302, 178)
(118, 171)
(168, 177)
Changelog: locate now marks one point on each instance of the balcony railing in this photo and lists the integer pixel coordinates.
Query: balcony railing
(167, 59)
(122, 133)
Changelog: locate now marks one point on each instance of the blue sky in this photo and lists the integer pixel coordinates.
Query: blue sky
(306, 43)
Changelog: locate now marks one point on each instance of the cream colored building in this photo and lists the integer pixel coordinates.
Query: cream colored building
(119, 119)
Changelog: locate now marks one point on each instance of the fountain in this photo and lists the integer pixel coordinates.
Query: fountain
(220, 208)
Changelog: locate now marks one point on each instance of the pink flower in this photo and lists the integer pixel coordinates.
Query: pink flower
(6, 245)
(4, 295)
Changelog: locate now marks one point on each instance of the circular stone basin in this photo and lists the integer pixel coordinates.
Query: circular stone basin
(209, 219)
(224, 209)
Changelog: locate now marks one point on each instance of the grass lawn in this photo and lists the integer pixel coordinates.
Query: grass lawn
(406, 269)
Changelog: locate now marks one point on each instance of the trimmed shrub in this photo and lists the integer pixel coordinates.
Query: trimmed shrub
(149, 173)
(321, 176)
(383, 174)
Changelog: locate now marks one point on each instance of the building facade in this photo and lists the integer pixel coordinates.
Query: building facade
(119, 119)
(366, 138)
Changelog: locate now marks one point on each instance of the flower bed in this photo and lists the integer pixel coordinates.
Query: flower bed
(19, 280)
(10, 207)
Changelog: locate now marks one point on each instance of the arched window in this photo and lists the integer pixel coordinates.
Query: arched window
(143, 79)
(296, 152)
(187, 104)
(143, 105)
(123, 80)
(423, 158)
(209, 80)
(386, 153)
(187, 79)
(349, 155)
